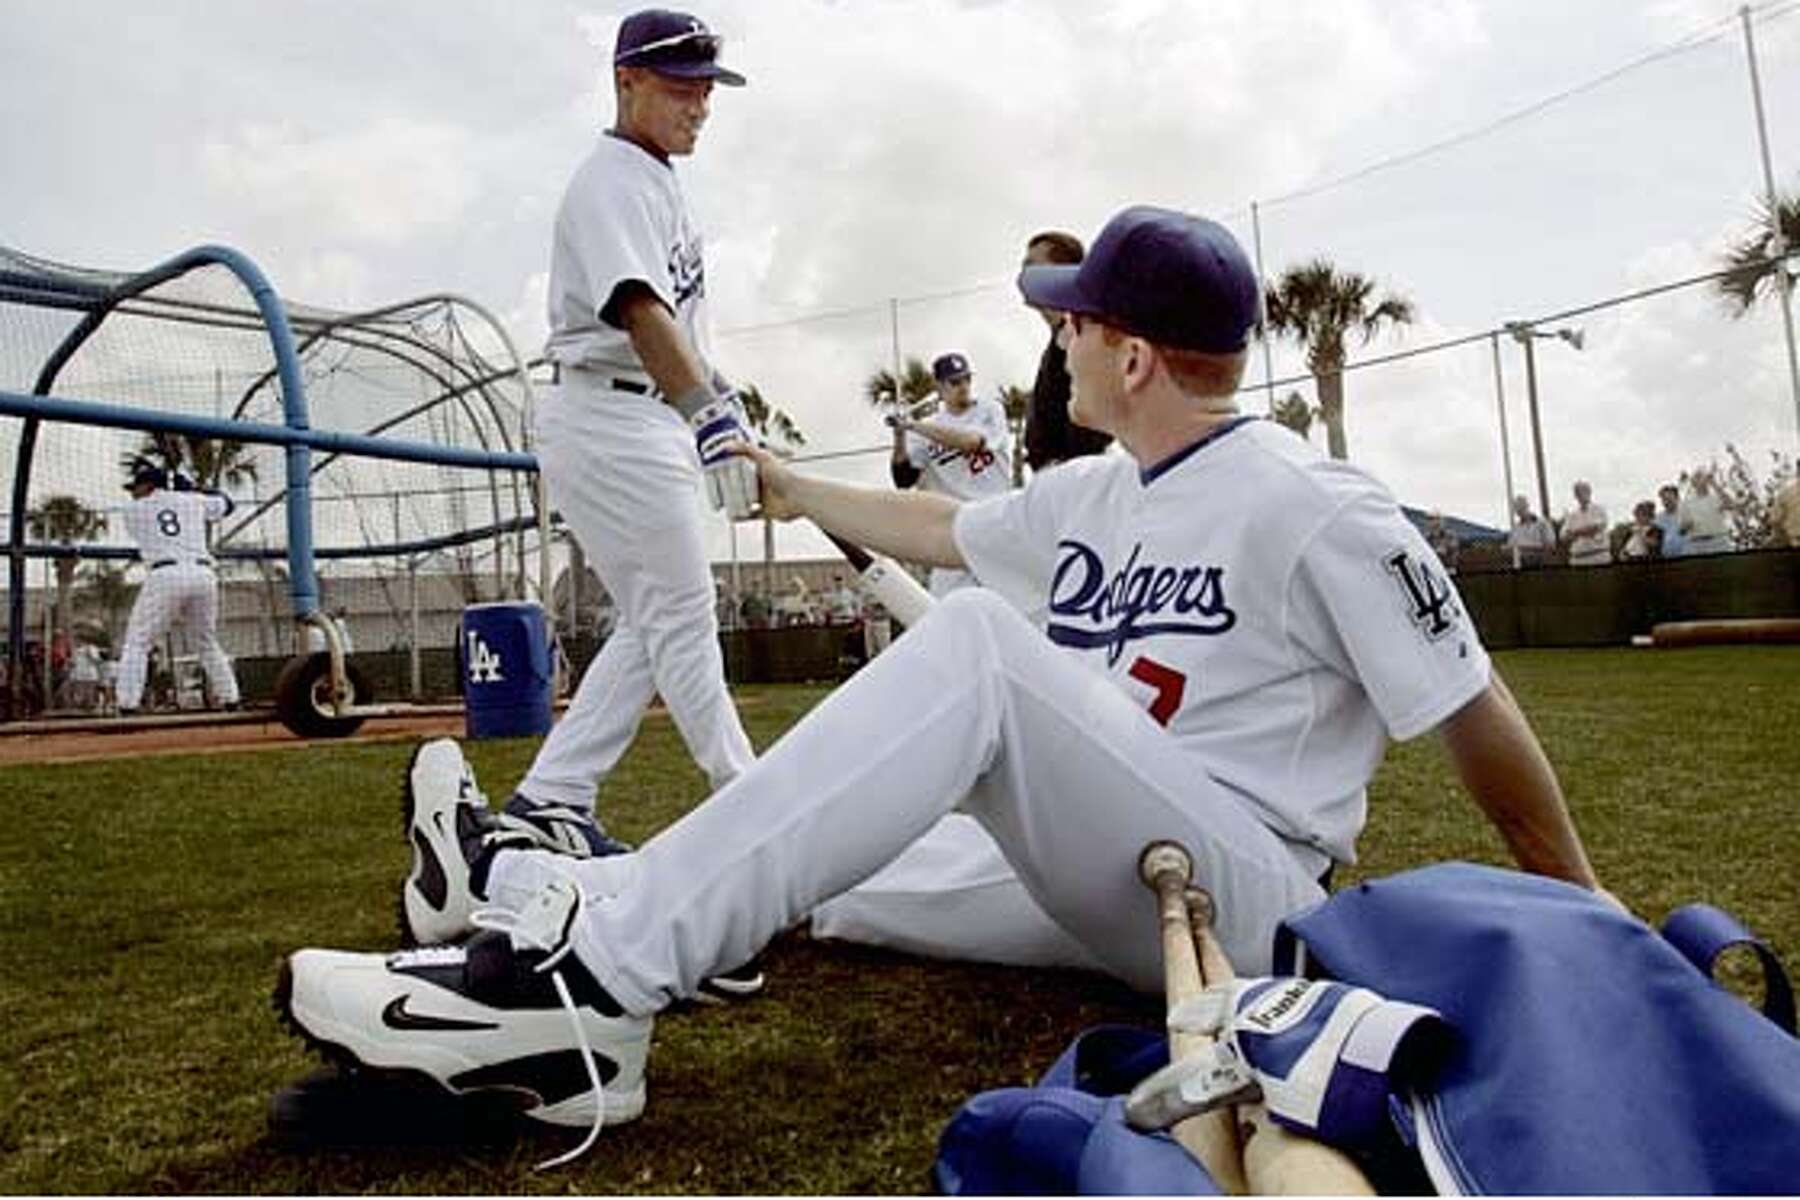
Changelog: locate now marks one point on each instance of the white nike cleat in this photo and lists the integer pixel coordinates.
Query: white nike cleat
(485, 1016)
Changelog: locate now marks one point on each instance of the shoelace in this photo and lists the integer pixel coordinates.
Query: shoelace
(508, 922)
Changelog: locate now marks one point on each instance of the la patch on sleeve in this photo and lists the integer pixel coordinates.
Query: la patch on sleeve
(1429, 600)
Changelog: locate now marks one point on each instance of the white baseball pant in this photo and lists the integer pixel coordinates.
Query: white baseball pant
(622, 470)
(185, 592)
(1070, 777)
(951, 895)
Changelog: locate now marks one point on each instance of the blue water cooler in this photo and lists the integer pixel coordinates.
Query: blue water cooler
(504, 652)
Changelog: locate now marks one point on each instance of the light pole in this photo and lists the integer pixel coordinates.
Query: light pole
(1524, 333)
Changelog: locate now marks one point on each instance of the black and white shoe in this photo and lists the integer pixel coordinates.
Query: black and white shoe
(561, 827)
(454, 837)
(726, 987)
(510, 1012)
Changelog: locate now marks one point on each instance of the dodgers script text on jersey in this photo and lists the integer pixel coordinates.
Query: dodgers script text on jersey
(1176, 563)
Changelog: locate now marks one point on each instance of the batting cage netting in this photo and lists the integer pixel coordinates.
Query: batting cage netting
(417, 492)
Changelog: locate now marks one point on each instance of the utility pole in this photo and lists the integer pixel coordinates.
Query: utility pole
(1784, 283)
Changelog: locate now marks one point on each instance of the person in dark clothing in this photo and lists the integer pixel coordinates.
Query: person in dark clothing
(1050, 437)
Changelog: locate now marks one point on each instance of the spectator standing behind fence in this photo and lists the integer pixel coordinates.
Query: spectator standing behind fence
(1050, 437)
(84, 677)
(841, 606)
(1644, 538)
(1443, 543)
(878, 627)
(1784, 515)
(1701, 516)
(1584, 529)
(1531, 535)
(1669, 521)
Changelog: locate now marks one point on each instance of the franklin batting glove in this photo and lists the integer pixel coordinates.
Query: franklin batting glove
(1324, 1057)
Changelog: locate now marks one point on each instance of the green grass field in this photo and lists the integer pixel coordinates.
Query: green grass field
(146, 903)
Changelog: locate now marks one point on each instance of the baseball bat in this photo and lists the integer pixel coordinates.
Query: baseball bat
(1167, 870)
(886, 580)
(1277, 1161)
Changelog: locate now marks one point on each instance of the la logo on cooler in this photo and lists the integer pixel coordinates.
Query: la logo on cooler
(484, 664)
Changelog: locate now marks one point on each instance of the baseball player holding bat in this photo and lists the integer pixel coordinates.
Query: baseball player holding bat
(1236, 628)
(169, 526)
(963, 451)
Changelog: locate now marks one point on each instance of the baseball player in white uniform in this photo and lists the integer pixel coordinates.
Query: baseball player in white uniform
(169, 528)
(1236, 628)
(964, 451)
(617, 437)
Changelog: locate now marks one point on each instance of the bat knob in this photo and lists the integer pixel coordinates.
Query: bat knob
(1162, 857)
(1201, 910)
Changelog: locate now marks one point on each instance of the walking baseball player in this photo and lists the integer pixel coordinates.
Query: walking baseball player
(169, 527)
(1237, 626)
(636, 419)
(964, 451)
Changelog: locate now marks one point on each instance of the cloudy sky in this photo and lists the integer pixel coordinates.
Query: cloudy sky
(901, 150)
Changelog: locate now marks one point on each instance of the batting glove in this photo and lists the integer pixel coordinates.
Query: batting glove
(730, 480)
(1324, 1057)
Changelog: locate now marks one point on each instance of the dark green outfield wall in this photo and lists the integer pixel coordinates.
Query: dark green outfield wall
(1605, 606)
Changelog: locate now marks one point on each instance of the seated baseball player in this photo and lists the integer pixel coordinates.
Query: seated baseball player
(1236, 628)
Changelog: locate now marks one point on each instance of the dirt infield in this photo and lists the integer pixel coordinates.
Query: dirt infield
(245, 732)
(42, 742)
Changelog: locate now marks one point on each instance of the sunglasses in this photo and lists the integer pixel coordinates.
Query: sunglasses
(682, 47)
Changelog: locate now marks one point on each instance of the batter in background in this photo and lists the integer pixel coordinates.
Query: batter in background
(169, 527)
(964, 451)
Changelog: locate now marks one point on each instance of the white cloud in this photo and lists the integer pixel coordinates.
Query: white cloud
(394, 179)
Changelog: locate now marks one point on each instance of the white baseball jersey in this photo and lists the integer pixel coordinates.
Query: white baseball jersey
(171, 526)
(622, 218)
(1272, 608)
(621, 467)
(987, 472)
(170, 530)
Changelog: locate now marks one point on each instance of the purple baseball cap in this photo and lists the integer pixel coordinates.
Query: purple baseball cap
(1173, 278)
(949, 366)
(674, 44)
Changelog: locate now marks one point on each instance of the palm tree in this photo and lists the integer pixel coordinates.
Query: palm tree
(1294, 412)
(215, 462)
(1317, 305)
(1750, 271)
(1017, 401)
(916, 384)
(770, 422)
(66, 520)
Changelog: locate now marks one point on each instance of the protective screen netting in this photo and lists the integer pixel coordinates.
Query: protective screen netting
(434, 370)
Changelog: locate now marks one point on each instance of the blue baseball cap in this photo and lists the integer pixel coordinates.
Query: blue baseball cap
(674, 44)
(1175, 279)
(142, 471)
(949, 366)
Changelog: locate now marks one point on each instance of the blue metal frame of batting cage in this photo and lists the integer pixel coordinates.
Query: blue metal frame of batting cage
(295, 434)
